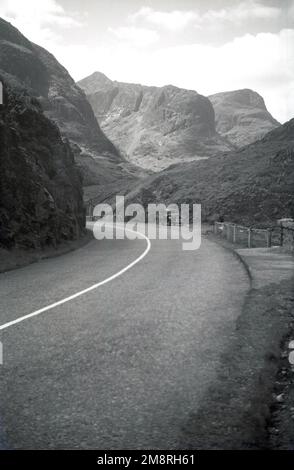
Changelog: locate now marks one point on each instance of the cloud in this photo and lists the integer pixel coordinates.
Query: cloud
(242, 11)
(38, 19)
(138, 37)
(262, 62)
(177, 20)
(291, 10)
(173, 20)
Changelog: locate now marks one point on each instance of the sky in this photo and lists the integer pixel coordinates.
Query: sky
(204, 45)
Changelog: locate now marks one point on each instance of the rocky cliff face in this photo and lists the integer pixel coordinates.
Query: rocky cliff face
(41, 201)
(241, 116)
(29, 68)
(251, 185)
(154, 127)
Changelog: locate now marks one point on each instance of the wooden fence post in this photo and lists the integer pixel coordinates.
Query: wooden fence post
(269, 238)
(282, 236)
(234, 233)
(249, 237)
(228, 232)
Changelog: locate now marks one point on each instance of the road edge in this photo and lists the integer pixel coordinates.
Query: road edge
(237, 411)
(22, 258)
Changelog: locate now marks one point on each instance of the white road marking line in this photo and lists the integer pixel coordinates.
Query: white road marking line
(85, 291)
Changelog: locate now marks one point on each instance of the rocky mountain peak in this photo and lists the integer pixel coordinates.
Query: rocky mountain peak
(30, 67)
(241, 116)
(96, 81)
(154, 126)
(245, 97)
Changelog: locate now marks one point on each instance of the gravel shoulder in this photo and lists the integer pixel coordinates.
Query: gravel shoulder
(254, 388)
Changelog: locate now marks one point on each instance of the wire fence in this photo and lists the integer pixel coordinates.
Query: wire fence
(255, 237)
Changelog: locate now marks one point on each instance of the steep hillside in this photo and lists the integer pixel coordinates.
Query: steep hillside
(154, 127)
(26, 66)
(241, 116)
(41, 200)
(33, 68)
(252, 185)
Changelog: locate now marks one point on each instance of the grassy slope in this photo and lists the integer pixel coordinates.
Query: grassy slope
(252, 185)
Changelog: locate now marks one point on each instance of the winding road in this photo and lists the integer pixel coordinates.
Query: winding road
(125, 364)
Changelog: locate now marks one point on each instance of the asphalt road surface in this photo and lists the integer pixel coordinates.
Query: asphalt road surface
(124, 365)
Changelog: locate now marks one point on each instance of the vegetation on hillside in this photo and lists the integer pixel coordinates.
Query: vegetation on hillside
(253, 185)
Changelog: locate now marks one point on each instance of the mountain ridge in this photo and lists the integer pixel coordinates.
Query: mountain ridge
(242, 116)
(154, 126)
(253, 185)
(195, 130)
(29, 68)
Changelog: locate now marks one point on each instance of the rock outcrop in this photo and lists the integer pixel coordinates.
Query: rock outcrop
(29, 68)
(241, 116)
(154, 127)
(41, 200)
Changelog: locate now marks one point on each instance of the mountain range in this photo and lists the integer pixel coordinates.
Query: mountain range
(78, 152)
(26, 66)
(155, 127)
(224, 151)
(253, 185)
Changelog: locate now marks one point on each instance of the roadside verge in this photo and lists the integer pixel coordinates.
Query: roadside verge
(17, 258)
(237, 413)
